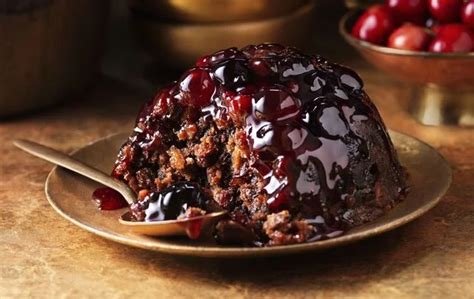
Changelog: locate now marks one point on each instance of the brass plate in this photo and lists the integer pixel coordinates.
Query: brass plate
(69, 194)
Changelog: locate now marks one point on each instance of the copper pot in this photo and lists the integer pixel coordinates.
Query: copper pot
(49, 49)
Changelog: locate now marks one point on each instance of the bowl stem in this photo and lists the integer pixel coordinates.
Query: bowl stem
(434, 105)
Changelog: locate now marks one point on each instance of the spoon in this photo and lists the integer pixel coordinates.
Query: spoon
(192, 227)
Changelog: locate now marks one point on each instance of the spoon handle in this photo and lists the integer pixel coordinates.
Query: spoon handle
(63, 160)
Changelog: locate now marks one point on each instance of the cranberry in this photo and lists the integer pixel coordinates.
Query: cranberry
(410, 37)
(467, 14)
(197, 88)
(452, 38)
(445, 11)
(408, 10)
(211, 60)
(275, 104)
(374, 25)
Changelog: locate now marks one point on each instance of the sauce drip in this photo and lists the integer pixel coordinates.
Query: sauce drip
(109, 199)
(298, 113)
(172, 202)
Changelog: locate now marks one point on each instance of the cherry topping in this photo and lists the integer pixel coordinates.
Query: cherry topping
(374, 25)
(172, 202)
(109, 199)
(263, 50)
(260, 67)
(275, 104)
(452, 38)
(211, 60)
(232, 73)
(445, 11)
(413, 11)
(467, 14)
(240, 105)
(410, 37)
(197, 87)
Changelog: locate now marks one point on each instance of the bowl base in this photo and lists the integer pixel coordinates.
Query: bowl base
(434, 106)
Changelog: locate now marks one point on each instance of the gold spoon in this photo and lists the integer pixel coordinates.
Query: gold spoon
(192, 227)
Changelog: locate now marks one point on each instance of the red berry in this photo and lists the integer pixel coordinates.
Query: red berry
(410, 37)
(445, 11)
(452, 38)
(467, 14)
(413, 11)
(374, 25)
(196, 88)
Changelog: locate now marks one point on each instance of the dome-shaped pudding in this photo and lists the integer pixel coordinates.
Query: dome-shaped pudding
(288, 143)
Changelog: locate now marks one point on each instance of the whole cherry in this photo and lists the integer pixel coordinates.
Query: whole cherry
(410, 37)
(374, 25)
(413, 11)
(467, 14)
(445, 11)
(197, 87)
(452, 38)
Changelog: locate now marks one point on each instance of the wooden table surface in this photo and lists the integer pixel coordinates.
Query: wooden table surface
(43, 255)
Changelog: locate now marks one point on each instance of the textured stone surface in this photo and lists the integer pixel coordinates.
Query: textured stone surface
(43, 255)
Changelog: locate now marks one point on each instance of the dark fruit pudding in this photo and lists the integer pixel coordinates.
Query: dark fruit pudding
(289, 144)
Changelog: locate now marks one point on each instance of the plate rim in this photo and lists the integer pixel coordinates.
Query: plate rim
(221, 251)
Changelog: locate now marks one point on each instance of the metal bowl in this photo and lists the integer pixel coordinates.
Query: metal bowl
(178, 45)
(443, 84)
(49, 51)
(215, 10)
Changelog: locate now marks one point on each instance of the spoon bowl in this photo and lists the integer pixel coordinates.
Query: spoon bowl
(192, 227)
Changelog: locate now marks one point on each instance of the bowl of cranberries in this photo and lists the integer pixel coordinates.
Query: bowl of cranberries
(426, 43)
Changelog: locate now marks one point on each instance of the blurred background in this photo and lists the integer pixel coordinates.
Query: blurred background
(152, 41)
(54, 50)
